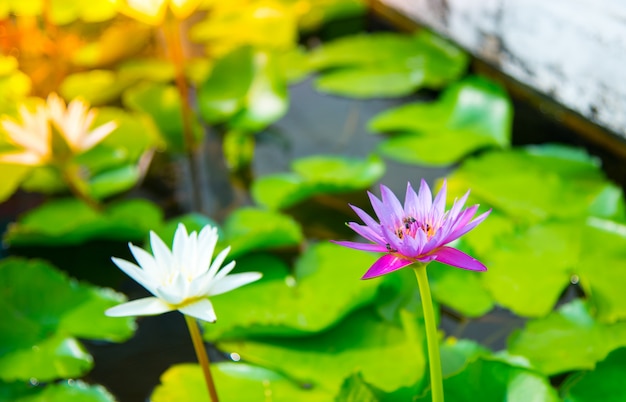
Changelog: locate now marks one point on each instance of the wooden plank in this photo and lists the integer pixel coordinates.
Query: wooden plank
(573, 51)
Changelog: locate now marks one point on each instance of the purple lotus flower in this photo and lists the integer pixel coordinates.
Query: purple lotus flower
(419, 232)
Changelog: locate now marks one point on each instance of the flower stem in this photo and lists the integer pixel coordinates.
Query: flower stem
(203, 358)
(173, 40)
(432, 338)
(78, 187)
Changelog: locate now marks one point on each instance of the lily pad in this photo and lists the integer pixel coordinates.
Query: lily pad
(245, 89)
(43, 313)
(317, 175)
(388, 356)
(386, 64)
(470, 115)
(605, 383)
(460, 289)
(288, 303)
(568, 339)
(163, 103)
(234, 382)
(355, 389)
(12, 176)
(496, 381)
(70, 221)
(537, 183)
(252, 229)
(70, 390)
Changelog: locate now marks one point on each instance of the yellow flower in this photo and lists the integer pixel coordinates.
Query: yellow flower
(34, 133)
(153, 11)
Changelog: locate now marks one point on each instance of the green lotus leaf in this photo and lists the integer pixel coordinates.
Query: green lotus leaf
(246, 89)
(115, 44)
(70, 221)
(604, 383)
(601, 266)
(70, 390)
(43, 313)
(317, 175)
(387, 356)
(472, 114)
(98, 87)
(114, 181)
(355, 389)
(234, 382)
(495, 381)
(386, 64)
(12, 177)
(460, 289)
(162, 102)
(549, 342)
(288, 303)
(528, 270)
(252, 229)
(537, 183)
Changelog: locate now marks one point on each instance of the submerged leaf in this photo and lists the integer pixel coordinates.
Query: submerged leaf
(604, 383)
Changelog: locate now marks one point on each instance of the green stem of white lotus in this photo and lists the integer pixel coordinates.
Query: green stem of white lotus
(203, 357)
(432, 337)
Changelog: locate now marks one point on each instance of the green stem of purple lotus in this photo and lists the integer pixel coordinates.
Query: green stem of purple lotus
(432, 337)
(203, 357)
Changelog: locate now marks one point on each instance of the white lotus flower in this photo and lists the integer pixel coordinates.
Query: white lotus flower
(182, 279)
(34, 134)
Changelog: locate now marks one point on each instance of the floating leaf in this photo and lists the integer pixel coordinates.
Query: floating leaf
(354, 389)
(472, 114)
(118, 42)
(12, 176)
(245, 89)
(284, 303)
(162, 102)
(251, 229)
(113, 181)
(317, 175)
(496, 381)
(460, 289)
(70, 221)
(234, 382)
(387, 356)
(604, 383)
(568, 339)
(529, 269)
(43, 313)
(71, 390)
(536, 183)
(386, 64)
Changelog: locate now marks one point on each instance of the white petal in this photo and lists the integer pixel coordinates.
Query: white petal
(207, 239)
(202, 309)
(97, 135)
(233, 282)
(136, 273)
(162, 253)
(146, 261)
(23, 158)
(225, 271)
(180, 242)
(146, 306)
(217, 263)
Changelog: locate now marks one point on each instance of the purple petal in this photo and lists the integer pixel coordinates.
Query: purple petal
(457, 206)
(425, 197)
(439, 205)
(456, 258)
(386, 264)
(461, 231)
(377, 248)
(411, 202)
(368, 220)
(379, 208)
(391, 201)
(366, 232)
